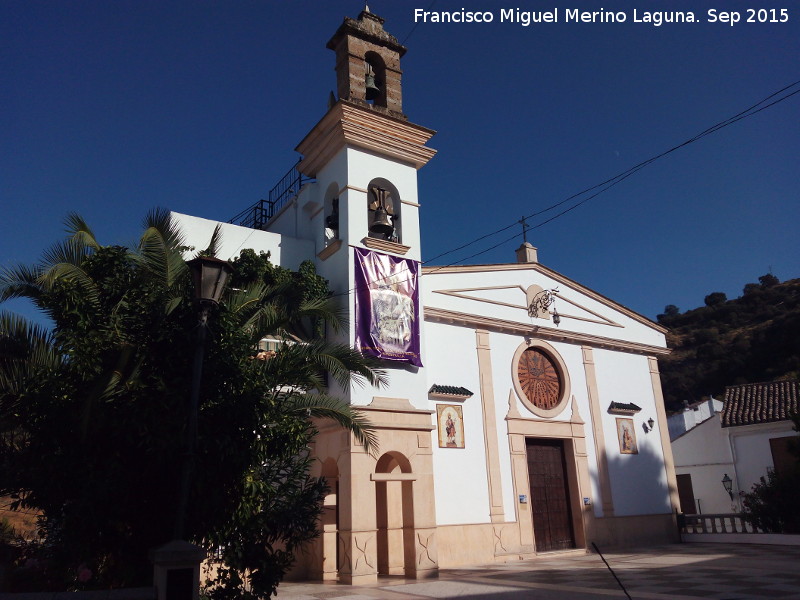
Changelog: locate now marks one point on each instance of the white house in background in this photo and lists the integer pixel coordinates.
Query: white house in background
(692, 415)
(749, 437)
(507, 429)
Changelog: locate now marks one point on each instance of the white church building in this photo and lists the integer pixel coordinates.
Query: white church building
(524, 411)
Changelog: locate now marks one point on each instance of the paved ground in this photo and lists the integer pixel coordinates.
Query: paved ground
(674, 572)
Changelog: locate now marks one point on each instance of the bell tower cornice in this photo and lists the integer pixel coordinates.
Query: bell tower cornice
(349, 123)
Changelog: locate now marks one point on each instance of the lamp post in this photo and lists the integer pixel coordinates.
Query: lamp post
(210, 276)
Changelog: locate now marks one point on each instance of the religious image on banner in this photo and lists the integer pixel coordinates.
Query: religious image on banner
(387, 306)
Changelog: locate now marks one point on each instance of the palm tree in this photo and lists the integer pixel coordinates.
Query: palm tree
(98, 405)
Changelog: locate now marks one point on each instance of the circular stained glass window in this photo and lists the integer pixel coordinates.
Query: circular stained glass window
(539, 379)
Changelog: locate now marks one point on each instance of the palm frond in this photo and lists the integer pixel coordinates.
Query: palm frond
(20, 281)
(69, 252)
(74, 274)
(26, 350)
(245, 301)
(214, 243)
(329, 310)
(160, 219)
(160, 248)
(322, 406)
(302, 364)
(80, 232)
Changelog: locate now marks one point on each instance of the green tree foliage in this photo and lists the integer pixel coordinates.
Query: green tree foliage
(716, 299)
(726, 342)
(772, 503)
(93, 415)
(769, 280)
(670, 311)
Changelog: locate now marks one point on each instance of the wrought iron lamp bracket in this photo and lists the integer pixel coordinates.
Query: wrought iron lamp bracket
(542, 302)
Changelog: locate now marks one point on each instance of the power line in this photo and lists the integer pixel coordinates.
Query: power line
(612, 181)
(607, 184)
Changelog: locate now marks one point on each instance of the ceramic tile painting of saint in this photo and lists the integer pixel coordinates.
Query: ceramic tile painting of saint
(627, 437)
(451, 426)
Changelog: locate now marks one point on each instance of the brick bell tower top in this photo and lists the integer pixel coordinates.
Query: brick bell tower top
(368, 64)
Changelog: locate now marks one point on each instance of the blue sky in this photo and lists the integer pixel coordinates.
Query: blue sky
(110, 108)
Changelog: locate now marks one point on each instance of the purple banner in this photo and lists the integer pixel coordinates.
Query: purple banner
(387, 306)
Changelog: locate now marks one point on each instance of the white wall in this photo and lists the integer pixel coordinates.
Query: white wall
(692, 417)
(284, 251)
(709, 452)
(704, 453)
(638, 481)
(461, 483)
(751, 450)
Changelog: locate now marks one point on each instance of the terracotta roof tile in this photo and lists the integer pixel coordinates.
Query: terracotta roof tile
(624, 408)
(754, 403)
(449, 390)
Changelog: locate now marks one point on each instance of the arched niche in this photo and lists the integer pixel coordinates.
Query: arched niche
(382, 195)
(375, 79)
(394, 512)
(331, 212)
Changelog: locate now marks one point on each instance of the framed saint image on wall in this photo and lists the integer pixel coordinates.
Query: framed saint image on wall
(627, 437)
(450, 421)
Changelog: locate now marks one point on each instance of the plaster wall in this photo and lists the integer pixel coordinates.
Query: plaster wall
(362, 168)
(461, 478)
(692, 417)
(710, 497)
(705, 453)
(286, 251)
(638, 481)
(751, 451)
(706, 444)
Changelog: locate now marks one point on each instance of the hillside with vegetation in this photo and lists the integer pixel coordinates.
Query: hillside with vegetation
(753, 338)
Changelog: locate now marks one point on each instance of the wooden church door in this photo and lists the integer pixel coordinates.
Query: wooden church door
(547, 473)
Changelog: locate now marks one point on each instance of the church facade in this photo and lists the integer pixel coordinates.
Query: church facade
(524, 412)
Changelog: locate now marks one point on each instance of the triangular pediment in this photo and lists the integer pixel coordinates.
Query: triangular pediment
(514, 296)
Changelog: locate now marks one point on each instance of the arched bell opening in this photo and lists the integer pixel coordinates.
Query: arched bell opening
(394, 515)
(329, 521)
(383, 211)
(375, 79)
(331, 211)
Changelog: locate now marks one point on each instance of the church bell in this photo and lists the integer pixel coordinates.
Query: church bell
(373, 91)
(381, 223)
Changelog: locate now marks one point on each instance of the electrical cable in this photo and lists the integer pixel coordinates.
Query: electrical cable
(748, 112)
(604, 185)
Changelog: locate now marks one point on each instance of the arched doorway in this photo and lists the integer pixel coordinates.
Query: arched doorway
(394, 504)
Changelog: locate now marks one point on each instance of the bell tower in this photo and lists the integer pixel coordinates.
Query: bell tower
(365, 153)
(368, 64)
(363, 209)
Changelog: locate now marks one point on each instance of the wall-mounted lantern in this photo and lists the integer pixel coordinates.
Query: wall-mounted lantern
(727, 483)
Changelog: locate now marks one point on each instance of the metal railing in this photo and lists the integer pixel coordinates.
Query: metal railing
(258, 215)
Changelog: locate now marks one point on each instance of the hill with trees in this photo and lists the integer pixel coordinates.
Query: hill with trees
(753, 338)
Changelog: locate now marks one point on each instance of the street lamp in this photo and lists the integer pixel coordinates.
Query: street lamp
(727, 483)
(210, 275)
